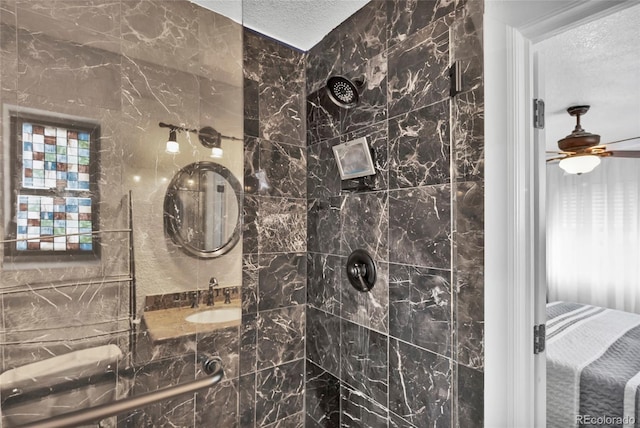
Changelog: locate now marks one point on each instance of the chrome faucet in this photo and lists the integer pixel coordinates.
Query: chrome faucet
(212, 283)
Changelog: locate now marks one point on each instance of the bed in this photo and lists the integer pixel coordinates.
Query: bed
(593, 366)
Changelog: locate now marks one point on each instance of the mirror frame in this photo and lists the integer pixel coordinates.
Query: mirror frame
(170, 226)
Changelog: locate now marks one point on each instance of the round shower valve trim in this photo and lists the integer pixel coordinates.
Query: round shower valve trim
(361, 270)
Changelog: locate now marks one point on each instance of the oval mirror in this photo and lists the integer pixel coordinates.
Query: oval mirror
(202, 209)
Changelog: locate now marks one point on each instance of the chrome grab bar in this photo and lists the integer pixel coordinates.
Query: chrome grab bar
(211, 366)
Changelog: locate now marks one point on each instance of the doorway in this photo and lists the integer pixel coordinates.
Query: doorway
(591, 220)
(514, 239)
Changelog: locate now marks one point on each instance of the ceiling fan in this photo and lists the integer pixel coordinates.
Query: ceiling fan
(580, 151)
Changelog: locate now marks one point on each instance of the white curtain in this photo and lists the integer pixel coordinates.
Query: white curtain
(593, 235)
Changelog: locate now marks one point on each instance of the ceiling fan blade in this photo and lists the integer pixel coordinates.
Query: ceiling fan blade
(620, 141)
(625, 153)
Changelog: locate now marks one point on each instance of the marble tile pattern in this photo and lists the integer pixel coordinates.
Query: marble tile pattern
(73, 82)
(365, 224)
(323, 339)
(418, 69)
(364, 360)
(247, 400)
(323, 225)
(405, 17)
(372, 103)
(419, 147)
(324, 60)
(323, 117)
(279, 72)
(251, 95)
(420, 387)
(470, 385)
(281, 334)
(217, 407)
(248, 343)
(468, 209)
(468, 135)
(324, 273)
(281, 225)
(421, 217)
(161, 374)
(323, 176)
(272, 344)
(359, 411)
(420, 230)
(150, 40)
(281, 280)
(250, 278)
(284, 168)
(365, 34)
(420, 307)
(279, 392)
(250, 207)
(281, 115)
(294, 421)
(322, 395)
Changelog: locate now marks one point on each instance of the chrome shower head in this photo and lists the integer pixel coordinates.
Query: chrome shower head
(343, 92)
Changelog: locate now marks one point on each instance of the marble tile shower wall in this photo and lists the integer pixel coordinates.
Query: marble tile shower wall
(272, 348)
(125, 64)
(410, 352)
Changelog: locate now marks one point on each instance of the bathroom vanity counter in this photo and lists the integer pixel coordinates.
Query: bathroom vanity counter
(172, 323)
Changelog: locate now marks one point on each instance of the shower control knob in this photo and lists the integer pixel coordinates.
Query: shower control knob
(361, 270)
(358, 270)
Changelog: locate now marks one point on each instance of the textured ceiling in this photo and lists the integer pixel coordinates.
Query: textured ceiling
(299, 23)
(596, 64)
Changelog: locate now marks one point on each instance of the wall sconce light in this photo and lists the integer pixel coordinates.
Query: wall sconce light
(172, 146)
(209, 138)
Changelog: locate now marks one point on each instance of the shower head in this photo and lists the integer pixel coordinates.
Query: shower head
(343, 92)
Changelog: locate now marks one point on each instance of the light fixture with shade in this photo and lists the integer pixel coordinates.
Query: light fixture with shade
(172, 146)
(211, 139)
(208, 136)
(579, 164)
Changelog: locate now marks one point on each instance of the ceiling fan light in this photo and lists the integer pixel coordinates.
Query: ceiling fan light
(579, 164)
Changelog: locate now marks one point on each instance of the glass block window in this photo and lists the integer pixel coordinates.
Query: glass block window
(54, 224)
(55, 186)
(55, 157)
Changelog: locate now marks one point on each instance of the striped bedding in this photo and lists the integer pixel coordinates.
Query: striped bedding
(593, 366)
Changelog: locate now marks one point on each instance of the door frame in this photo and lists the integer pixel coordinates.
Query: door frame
(514, 391)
